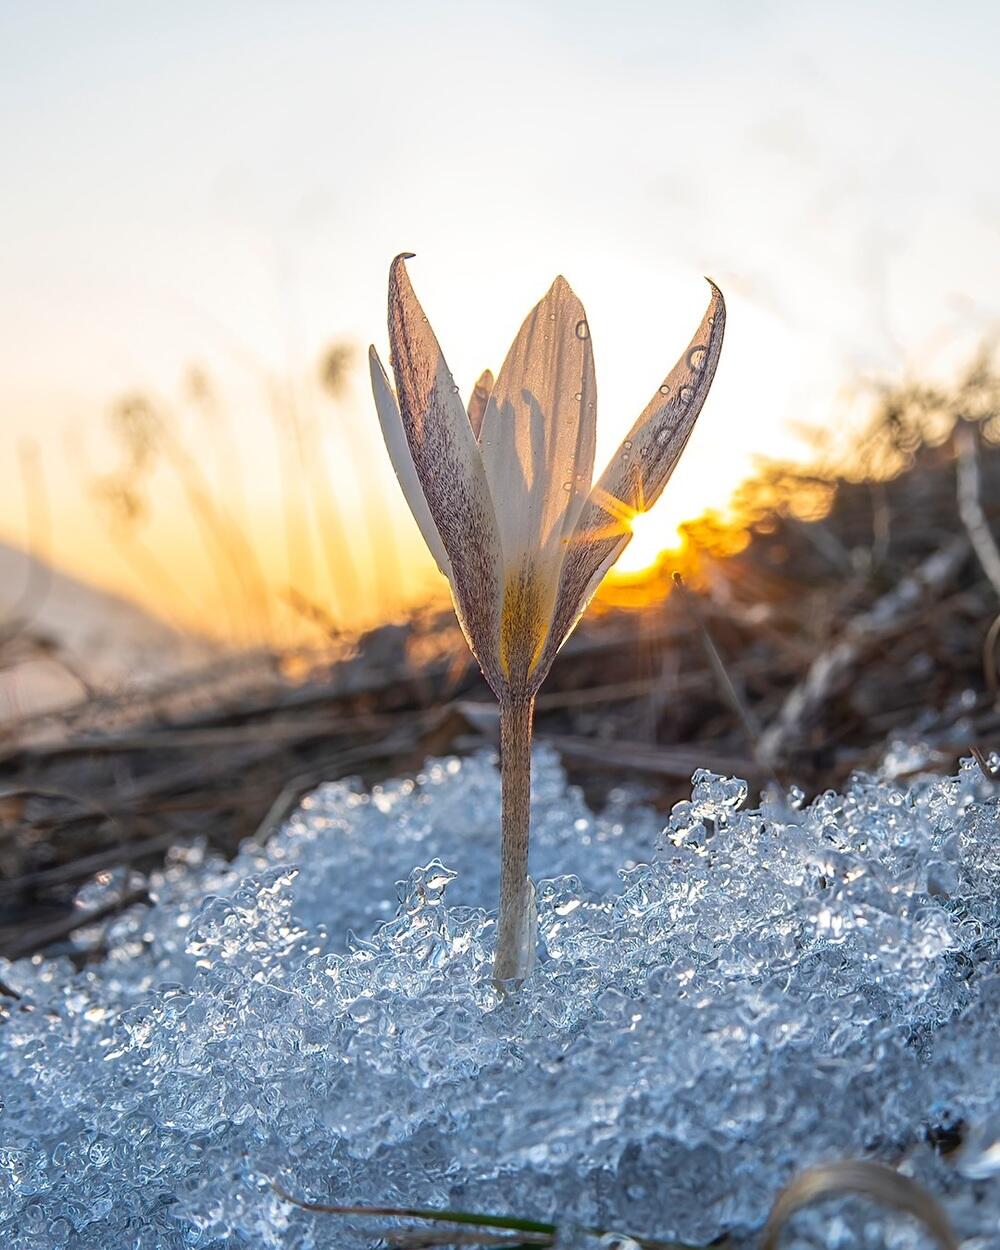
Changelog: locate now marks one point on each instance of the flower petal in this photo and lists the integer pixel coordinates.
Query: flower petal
(538, 432)
(402, 461)
(637, 473)
(477, 402)
(449, 467)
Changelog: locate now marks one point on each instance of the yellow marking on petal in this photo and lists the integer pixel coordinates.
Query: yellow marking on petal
(524, 623)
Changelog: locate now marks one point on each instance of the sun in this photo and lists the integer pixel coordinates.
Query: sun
(651, 536)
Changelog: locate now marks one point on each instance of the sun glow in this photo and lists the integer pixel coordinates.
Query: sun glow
(651, 536)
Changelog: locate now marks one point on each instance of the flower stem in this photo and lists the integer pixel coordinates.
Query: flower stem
(515, 949)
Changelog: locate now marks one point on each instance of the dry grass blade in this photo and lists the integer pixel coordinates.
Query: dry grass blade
(990, 656)
(509, 1222)
(424, 1238)
(529, 1232)
(970, 504)
(42, 935)
(751, 726)
(870, 1180)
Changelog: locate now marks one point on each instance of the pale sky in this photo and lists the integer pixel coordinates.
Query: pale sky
(224, 184)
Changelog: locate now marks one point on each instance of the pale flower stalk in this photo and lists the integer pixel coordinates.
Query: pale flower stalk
(503, 495)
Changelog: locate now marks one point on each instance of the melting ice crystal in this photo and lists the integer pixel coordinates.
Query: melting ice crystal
(716, 1004)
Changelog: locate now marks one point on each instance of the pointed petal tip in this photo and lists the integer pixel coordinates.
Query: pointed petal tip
(397, 269)
(376, 370)
(716, 292)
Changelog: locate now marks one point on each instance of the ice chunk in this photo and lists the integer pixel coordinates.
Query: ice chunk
(716, 1003)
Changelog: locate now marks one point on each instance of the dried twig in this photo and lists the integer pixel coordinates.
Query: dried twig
(643, 759)
(834, 665)
(990, 655)
(87, 865)
(869, 1180)
(970, 505)
(40, 936)
(751, 726)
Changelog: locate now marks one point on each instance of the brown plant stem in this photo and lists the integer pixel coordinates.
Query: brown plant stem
(516, 918)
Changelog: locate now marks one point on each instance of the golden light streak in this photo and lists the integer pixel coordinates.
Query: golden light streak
(651, 537)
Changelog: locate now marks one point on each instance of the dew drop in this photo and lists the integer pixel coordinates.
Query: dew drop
(578, 396)
(582, 330)
(696, 357)
(627, 444)
(663, 436)
(664, 389)
(687, 394)
(567, 486)
(552, 316)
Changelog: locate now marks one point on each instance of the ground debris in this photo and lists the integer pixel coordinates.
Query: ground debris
(850, 614)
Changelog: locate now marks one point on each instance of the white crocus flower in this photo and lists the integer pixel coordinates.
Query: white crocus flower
(503, 495)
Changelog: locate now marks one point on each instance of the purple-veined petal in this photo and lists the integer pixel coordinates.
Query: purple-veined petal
(402, 461)
(637, 473)
(478, 400)
(449, 467)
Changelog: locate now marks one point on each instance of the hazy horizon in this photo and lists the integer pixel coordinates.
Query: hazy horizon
(222, 187)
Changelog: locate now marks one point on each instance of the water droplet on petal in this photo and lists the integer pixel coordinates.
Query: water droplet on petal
(687, 394)
(578, 396)
(582, 330)
(627, 444)
(664, 389)
(663, 436)
(552, 316)
(567, 485)
(696, 357)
